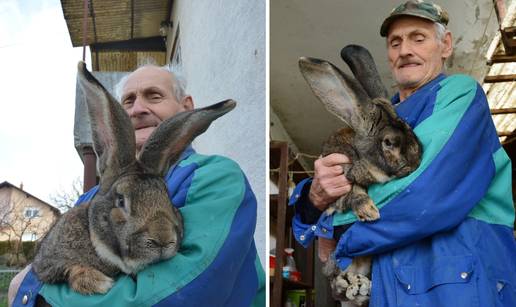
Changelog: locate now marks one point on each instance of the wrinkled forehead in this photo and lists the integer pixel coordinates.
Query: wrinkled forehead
(148, 77)
(407, 24)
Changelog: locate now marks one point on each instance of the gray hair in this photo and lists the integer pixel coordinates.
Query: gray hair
(440, 31)
(178, 81)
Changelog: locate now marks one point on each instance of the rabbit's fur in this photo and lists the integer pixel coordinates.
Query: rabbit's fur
(130, 222)
(380, 146)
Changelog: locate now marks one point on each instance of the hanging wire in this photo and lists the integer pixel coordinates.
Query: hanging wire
(291, 161)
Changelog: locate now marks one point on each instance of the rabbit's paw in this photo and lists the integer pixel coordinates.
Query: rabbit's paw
(359, 285)
(86, 280)
(367, 211)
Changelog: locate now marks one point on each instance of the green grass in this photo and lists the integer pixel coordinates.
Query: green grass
(5, 279)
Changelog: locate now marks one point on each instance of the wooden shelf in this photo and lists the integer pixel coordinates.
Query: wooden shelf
(273, 208)
(293, 285)
(281, 216)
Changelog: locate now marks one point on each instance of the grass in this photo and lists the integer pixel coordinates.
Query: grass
(5, 278)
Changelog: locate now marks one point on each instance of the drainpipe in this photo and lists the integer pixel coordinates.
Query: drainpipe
(90, 160)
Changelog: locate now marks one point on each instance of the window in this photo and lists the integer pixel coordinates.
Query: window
(31, 236)
(31, 213)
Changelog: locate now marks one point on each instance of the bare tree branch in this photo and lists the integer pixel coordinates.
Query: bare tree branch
(65, 199)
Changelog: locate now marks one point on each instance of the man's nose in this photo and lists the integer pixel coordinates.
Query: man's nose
(405, 48)
(138, 108)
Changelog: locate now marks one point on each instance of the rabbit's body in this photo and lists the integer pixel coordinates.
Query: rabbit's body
(372, 160)
(130, 222)
(380, 146)
(66, 248)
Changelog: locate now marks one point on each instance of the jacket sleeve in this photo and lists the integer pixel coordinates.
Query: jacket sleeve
(308, 222)
(457, 168)
(217, 254)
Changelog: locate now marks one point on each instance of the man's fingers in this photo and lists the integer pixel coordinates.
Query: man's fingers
(339, 191)
(334, 159)
(333, 183)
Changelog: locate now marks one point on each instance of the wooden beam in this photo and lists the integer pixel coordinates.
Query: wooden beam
(500, 78)
(501, 58)
(503, 111)
(154, 43)
(505, 133)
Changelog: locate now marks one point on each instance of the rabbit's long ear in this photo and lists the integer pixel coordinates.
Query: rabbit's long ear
(169, 140)
(363, 67)
(340, 94)
(113, 134)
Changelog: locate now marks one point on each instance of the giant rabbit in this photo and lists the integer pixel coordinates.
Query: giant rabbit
(130, 222)
(380, 145)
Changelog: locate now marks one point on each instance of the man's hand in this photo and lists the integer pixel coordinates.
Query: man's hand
(329, 183)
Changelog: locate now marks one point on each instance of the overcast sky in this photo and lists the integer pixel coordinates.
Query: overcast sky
(37, 86)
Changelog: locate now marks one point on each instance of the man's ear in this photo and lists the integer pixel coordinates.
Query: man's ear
(447, 45)
(187, 103)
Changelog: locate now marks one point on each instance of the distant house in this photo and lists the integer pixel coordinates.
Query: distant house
(22, 215)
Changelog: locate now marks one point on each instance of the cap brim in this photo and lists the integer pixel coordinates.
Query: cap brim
(384, 29)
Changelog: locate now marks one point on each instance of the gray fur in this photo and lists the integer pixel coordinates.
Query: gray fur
(380, 146)
(130, 223)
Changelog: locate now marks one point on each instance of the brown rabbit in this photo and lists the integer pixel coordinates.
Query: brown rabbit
(130, 222)
(380, 146)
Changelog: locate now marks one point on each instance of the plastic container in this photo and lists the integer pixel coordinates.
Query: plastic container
(290, 263)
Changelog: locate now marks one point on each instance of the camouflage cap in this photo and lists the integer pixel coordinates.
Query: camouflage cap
(417, 8)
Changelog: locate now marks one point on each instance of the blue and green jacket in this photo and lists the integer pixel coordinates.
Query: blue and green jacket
(217, 264)
(445, 235)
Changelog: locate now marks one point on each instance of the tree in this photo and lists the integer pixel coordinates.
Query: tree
(65, 199)
(15, 223)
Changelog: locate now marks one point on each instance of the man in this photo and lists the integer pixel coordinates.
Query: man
(445, 236)
(218, 265)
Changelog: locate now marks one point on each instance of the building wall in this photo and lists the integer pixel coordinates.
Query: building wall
(224, 57)
(13, 214)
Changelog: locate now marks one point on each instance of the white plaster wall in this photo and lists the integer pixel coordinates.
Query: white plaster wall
(223, 56)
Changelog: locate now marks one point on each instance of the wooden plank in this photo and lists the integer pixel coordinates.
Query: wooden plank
(277, 291)
(503, 111)
(505, 133)
(500, 78)
(501, 58)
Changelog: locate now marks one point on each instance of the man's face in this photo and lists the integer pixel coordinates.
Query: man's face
(148, 98)
(415, 53)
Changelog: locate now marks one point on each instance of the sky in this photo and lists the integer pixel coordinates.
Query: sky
(37, 86)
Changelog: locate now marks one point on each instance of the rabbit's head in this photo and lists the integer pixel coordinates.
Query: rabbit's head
(380, 136)
(132, 221)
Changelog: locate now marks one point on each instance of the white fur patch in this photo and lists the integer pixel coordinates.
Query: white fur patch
(105, 285)
(378, 174)
(106, 254)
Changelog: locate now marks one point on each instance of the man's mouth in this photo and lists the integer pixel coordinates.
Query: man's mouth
(145, 126)
(407, 65)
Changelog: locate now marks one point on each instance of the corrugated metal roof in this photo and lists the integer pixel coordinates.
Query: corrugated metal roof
(110, 20)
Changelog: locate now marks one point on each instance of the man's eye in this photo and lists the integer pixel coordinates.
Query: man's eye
(395, 44)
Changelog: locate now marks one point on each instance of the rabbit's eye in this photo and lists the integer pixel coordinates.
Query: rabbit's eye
(120, 201)
(388, 143)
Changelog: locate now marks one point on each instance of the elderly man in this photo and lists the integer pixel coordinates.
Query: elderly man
(218, 263)
(445, 236)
